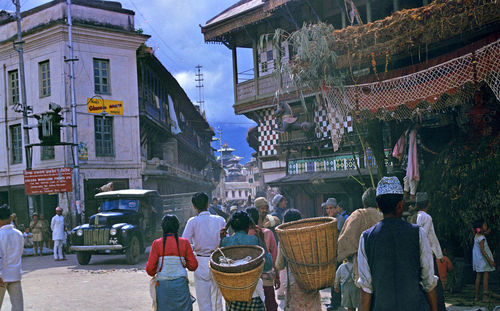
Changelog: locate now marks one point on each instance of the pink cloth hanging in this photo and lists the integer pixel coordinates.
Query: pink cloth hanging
(412, 171)
(399, 148)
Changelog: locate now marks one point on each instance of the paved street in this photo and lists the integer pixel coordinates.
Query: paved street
(109, 281)
(106, 281)
(65, 285)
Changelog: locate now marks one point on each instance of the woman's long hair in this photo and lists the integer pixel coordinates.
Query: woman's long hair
(170, 225)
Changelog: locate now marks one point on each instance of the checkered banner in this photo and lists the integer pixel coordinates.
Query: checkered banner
(333, 120)
(268, 137)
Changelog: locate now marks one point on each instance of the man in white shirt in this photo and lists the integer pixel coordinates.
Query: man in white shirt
(424, 220)
(58, 235)
(11, 251)
(395, 264)
(203, 231)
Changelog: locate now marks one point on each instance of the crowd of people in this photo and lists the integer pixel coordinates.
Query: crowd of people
(41, 237)
(384, 262)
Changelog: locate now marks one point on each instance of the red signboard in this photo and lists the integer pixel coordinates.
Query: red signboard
(48, 181)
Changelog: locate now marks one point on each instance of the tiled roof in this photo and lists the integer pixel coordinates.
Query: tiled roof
(238, 8)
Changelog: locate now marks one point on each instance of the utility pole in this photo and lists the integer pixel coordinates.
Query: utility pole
(199, 79)
(18, 46)
(76, 164)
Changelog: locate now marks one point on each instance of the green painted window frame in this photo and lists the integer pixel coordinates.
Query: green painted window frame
(103, 133)
(102, 83)
(16, 144)
(13, 87)
(44, 78)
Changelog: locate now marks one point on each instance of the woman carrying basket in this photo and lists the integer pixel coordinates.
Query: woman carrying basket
(296, 298)
(240, 223)
(167, 263)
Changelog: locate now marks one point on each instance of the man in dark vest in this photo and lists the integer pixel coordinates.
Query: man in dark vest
(395, 264)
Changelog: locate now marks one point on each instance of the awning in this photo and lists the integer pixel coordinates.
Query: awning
(317, 178)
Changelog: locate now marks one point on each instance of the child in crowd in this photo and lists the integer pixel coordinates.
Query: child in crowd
(28, 238)
(482, 258)
(444, 266)
(344, 281)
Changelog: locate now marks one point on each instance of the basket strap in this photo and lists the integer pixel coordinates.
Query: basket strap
(334, 260)
(239, 288)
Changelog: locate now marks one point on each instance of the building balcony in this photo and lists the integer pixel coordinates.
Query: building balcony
(260, 88)
(338, 162)
(161, 168)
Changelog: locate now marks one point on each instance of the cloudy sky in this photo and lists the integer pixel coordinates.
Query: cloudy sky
(178, 43)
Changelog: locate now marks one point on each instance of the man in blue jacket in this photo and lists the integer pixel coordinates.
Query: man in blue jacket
(395, 263)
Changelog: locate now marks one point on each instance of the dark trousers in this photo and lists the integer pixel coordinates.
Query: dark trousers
(271, 304)
(439, 289)
(336, 297)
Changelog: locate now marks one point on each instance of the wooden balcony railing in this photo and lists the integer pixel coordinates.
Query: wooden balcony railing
(266, 86)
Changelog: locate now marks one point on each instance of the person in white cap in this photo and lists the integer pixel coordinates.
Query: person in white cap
(395, 264)
(58, 236)
(266, 220)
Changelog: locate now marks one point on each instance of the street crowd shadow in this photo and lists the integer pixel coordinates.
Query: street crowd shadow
(111, 262)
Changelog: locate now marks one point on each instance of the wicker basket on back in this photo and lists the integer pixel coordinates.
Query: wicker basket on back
(238, 283)
(310, 247)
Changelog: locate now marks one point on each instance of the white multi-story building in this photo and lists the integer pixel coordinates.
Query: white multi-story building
(105, 43)
(238, 180)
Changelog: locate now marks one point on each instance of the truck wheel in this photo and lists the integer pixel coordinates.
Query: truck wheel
(83, 258)
(133, 251)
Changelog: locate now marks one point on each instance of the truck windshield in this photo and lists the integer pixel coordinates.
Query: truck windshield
(120, 204)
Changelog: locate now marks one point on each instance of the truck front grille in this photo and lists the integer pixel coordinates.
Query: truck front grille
(96, 236)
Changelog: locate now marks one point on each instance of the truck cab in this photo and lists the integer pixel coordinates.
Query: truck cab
(126, 222)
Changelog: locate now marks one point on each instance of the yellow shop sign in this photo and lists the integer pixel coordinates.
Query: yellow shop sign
(114, 107)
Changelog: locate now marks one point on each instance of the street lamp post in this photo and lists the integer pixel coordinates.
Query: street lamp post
(18, 46)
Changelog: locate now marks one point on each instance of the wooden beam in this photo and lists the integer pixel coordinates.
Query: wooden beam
(395, 5)
(235, 73)
(368, 11)
(318, 19)
(255, 51)
(343, 19)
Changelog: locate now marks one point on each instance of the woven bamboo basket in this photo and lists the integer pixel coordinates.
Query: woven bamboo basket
(237, 286)
(310, 247)
(238, 252)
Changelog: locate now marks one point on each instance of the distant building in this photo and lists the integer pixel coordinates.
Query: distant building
(175, 136)
(238, 180)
